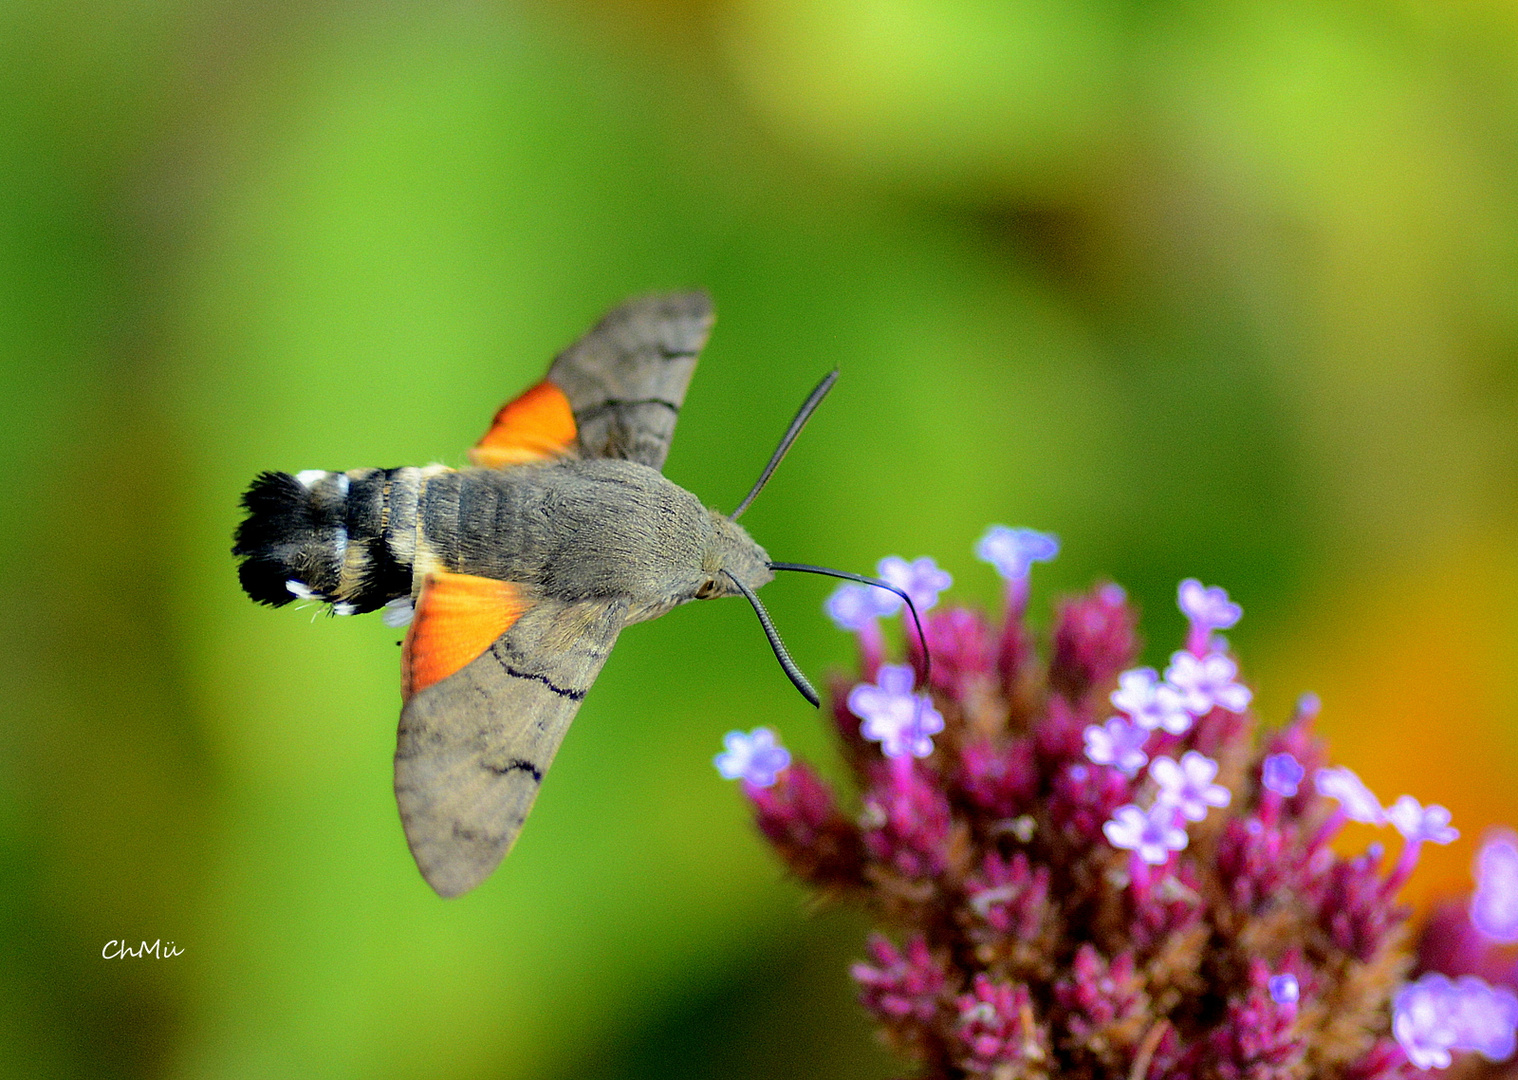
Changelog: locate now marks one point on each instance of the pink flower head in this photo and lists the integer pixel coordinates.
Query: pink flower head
(1152, 836)
(1207, 681)
(921, 579)
(1418, 823)
(1494, 907)
(1151, 703)
(1187, 784)
(1118, 743)
(854, 607)
(901, 721)
(1355, 799)
(756, 757)
(1208, 608)
(1014, 551)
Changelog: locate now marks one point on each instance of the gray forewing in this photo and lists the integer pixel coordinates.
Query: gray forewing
(472, 750)
(626, 378)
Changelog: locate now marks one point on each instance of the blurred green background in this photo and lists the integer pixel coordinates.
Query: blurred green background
(1225, 289)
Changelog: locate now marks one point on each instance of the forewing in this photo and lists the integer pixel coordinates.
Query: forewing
(626, 378)
(473, 748)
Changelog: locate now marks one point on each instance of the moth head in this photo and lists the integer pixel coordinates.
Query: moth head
(730, 555)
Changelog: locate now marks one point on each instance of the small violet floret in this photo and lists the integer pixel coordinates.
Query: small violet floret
(1151, 836)
(1014, 551)
(1208, 608)
(1494, 907)
(1207, 681)
(854, 607)
(1282, 774)
(901, 721)
(1151, 703)
(1435, 1015)
(1284, 989)
(1355, 799)
(1419, 824)
(1118, 743)
(1187, 784)
(921, 579)
(756, 757)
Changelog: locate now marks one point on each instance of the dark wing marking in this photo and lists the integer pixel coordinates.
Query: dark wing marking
(626, 378)
(473, 748)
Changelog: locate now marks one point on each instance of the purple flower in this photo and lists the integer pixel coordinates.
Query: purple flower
(1355, 799)
(1152, 836)
(1485, 1018)
(1435, 1015)
(1151, 703)
(901, 721)
(1284, 989)
(920, 579)
(1014, 551)
(1282, 773)
(1117, 743)
(854, 607)
(1494, 907)
(756, 757)
(1207, 681)
(1207, 608)
(1418, 823)
(1187, 785)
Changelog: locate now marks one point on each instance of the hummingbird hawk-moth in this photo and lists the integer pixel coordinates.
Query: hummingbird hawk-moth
(516, 575)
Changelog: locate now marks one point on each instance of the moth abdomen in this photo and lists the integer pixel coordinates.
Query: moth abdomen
(326, 536)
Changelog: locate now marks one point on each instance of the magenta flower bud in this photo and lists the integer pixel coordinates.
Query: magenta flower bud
(906, 821)
(800, 818)
(1000, 779)
(1094, 639)
(904, 987)
(995, 1030)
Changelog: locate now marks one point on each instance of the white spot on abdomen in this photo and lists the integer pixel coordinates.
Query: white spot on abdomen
(398, 612)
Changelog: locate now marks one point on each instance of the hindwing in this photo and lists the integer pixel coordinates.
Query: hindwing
(473, 748)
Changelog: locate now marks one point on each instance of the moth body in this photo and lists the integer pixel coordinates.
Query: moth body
(569, 530)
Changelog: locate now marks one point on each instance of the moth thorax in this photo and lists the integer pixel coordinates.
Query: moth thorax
(342, 538)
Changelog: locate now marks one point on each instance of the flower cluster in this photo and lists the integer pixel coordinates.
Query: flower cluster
(1098, 870)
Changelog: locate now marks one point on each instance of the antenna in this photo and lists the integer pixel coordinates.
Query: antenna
(927, 657)
(804, 414)
(781, 653)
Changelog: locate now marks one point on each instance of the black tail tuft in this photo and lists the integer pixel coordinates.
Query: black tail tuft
(293, 532)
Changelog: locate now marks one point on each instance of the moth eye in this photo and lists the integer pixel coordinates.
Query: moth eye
(707, 590)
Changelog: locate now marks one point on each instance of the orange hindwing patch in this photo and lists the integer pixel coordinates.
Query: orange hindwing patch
(537, 425)
(458, 617)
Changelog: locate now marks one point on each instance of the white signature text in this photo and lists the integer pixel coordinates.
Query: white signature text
(120, 950)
